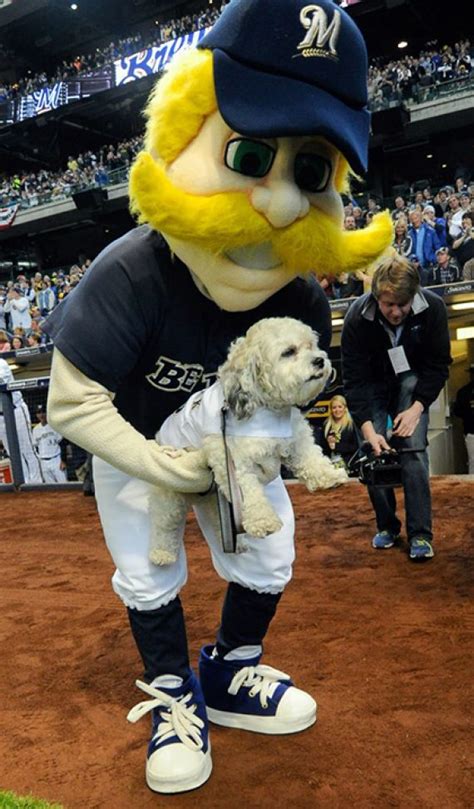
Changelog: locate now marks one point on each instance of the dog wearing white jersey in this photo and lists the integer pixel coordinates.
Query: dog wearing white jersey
(268, 375)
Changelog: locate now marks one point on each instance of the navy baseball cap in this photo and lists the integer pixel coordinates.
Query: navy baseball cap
(286, 67)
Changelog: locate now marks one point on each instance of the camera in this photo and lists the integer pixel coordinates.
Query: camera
(382, 471)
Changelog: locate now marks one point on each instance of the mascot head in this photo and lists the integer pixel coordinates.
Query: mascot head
(250, 141)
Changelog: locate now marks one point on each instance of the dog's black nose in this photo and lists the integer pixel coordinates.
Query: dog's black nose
(318, 362)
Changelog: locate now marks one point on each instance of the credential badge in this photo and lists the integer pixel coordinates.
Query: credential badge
(321, 37)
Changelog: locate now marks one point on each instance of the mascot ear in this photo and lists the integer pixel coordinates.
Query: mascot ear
(239, 375)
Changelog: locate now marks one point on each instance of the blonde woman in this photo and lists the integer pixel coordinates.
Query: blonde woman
(339, 436)
(403, 243)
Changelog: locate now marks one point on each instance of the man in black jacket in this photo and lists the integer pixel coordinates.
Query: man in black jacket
(395, 360)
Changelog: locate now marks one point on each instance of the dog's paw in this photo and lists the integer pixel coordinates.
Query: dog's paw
(327, 477)
(263, 525)
(161, 557)
(331, 478)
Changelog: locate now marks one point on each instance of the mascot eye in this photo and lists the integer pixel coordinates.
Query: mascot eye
(312, 172)
(251, 157)
(288, 352)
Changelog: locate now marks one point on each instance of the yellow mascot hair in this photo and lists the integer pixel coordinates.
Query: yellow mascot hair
(179, 104)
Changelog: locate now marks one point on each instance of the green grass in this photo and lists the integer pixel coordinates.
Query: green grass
(8, 800)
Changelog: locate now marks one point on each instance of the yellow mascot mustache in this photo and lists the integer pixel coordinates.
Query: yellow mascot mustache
(220, 222)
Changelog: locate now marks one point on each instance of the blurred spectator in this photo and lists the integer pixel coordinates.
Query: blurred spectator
(454, 217)
(45, 297)
(463, 246)
(465, 200)
(327, 281)
(18, 308)
(3, 318)
(438, 223)
(441, 202)
(402, 242)
(338, 439)
(347, 286)
(358, 216)
(468, 270)
(5, 344)
(446, 269)
(425, 242)
(18, 342)
(349, 222)
(33, 340)
(400, 208)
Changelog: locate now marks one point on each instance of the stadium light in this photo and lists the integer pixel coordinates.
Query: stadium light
(402, 44)
(466, 333)
(461, 306)
(74, 6)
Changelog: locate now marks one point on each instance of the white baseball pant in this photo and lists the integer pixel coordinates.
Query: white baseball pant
(51, 470)
(123, 508)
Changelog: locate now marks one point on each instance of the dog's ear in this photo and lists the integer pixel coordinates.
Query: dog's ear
(239, 378)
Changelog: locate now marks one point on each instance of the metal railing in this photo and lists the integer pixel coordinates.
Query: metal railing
(420, 95)
(113, 177)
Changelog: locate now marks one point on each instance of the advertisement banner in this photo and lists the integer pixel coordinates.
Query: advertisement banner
(153, 60)
(64, 92)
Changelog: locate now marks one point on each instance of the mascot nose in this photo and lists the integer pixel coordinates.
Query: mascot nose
(280, 201)
(318, 362)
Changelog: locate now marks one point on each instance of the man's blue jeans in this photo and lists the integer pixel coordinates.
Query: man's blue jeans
(389, 401)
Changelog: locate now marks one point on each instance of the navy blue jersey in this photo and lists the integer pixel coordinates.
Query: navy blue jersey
(138, 325)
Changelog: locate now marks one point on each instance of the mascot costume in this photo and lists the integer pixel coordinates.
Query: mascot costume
(250, 140)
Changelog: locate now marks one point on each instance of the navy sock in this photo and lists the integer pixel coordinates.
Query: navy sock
(161, 639)
(246, 616)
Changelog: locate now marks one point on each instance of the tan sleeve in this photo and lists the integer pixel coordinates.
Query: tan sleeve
(82, 410)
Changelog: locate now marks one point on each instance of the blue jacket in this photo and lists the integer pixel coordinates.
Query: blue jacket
(430, 243)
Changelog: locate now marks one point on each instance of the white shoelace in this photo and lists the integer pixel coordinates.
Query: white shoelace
(177, 717)
(262, 681)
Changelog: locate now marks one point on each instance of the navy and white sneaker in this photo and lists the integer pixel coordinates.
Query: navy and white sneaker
(385, 539)
(179, 752)
(421, 549)
(244, 694)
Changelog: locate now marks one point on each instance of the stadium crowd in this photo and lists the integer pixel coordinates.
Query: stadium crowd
(85, 64)
(26, 302)
(108, 165)
(433, 228)
(412, 78)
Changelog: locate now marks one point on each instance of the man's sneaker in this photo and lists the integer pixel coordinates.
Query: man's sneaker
(179, 752)
(420, 549)
(385, 539)
(243, 694)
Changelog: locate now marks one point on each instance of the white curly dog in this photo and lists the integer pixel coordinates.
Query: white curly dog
(271, 372)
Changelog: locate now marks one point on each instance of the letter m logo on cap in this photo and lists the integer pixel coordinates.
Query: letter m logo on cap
(321, 37)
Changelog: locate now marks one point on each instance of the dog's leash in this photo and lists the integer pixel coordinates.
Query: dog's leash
(229, 512)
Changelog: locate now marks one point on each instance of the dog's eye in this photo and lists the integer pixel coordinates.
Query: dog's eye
(289, 352)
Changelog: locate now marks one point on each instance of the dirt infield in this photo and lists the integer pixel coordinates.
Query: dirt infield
(384, 645)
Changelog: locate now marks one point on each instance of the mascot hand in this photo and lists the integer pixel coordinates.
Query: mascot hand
(182, 471)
